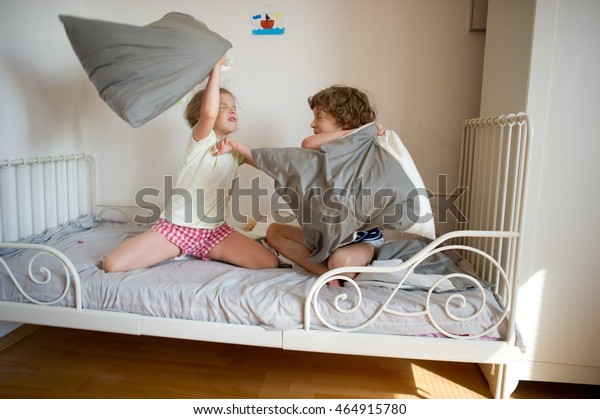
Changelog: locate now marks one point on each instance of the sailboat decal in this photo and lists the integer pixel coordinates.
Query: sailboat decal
(267, 25)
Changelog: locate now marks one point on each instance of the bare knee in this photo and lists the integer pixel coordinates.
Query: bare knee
(111, 263)
(339, 260)
(359, 254)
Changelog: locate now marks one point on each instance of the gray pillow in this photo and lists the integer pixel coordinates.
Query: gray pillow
(141, 71)
(351, 184)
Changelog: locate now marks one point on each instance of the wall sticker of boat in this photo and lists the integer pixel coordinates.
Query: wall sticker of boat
(267, 25)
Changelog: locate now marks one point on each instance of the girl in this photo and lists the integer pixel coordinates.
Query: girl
(192, 222)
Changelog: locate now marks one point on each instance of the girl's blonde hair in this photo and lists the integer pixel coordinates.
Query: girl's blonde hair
(348, 105)
(192, 111)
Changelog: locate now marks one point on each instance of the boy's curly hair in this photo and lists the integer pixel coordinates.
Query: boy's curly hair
(192, 111)
(348, 105)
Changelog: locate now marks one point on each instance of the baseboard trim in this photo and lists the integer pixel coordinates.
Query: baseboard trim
(16, 335)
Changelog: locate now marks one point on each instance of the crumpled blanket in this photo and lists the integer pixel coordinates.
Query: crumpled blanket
(52, 236)
(426, 274)
(358, 182)
(141, 71)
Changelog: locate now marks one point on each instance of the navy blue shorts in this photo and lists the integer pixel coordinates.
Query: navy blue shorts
(373, 237)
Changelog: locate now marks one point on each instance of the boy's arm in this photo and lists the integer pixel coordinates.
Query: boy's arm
(228, 145)
(315, 142)
(209, 109)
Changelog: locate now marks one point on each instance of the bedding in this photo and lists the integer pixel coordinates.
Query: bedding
(426, 273)
(187, 288)
(358, 182)
(141, 71)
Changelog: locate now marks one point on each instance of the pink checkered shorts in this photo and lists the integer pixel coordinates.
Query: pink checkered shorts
(192, 241)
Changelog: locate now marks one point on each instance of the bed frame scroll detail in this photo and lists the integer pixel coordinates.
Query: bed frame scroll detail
(408, 267)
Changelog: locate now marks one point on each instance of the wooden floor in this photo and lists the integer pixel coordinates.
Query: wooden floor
(63, 363)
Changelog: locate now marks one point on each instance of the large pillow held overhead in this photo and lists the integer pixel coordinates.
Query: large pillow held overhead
(141, 71)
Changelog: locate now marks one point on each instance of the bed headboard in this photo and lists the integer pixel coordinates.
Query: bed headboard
(493, 172)
(44, 192)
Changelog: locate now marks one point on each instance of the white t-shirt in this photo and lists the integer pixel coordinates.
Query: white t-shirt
(201, 191)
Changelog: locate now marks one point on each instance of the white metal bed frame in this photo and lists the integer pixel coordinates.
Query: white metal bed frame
(41, 193)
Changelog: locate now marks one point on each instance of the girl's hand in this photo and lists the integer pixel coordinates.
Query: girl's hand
(380, 128)
(222, 61)
(226, 145)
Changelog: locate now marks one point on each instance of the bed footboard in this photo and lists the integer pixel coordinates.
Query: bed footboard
(408, 267)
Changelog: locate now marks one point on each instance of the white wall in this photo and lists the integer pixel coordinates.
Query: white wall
(40, 85)
(416, 59)
(506, 63)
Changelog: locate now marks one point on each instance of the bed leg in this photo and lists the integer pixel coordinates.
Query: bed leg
(509, 382)
(491, 373)
(499, 379)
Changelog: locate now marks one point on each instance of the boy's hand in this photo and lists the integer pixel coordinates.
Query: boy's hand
(224, 146)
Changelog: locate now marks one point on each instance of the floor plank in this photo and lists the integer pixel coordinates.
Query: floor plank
(64, 363)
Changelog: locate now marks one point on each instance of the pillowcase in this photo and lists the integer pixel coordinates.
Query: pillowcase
(425, 227)
(141, 71)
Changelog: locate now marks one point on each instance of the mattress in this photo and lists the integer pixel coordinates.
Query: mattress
(188, 288)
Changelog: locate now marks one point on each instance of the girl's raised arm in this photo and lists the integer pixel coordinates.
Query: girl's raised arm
(209, 109)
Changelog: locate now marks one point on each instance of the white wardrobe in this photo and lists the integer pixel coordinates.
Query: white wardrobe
(543, 57)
